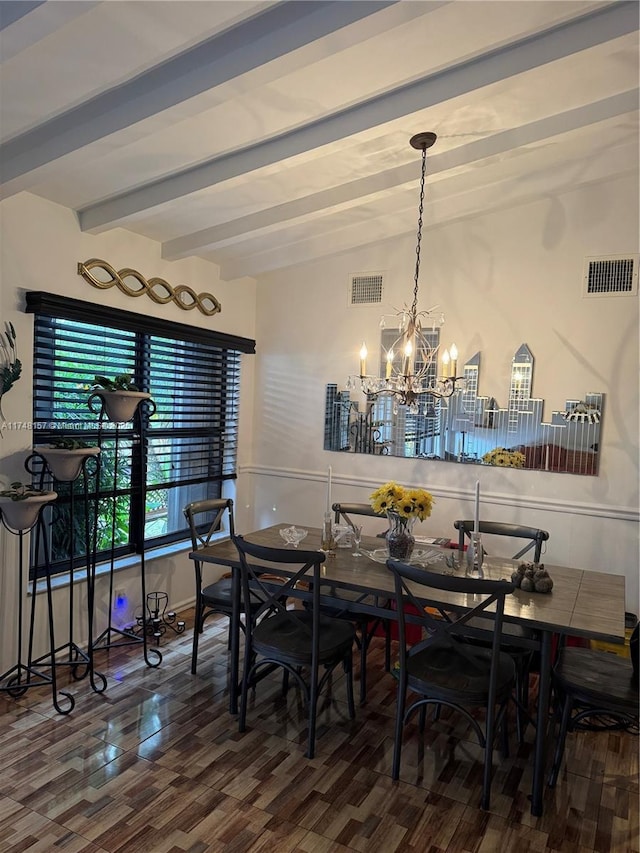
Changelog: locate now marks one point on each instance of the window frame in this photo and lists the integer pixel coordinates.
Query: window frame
(219, 350)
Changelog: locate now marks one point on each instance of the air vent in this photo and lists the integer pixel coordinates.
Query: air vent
(611, 275)
(366, 289)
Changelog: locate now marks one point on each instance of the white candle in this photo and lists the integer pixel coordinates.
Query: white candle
(446, 358)
(363, 361)
(329, 490)
(476, 515)
(389, 364)
(453, 351)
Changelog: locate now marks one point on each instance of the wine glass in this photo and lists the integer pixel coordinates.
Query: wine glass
(357, 537)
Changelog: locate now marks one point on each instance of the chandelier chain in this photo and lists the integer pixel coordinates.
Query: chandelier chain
(414, 306)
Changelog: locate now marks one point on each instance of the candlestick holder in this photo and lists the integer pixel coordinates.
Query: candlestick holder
(475, 557)
(327, 541)
(157, 619)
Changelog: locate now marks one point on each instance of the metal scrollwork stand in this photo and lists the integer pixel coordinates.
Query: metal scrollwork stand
(79, 661)
(112, 637)
(23, 675)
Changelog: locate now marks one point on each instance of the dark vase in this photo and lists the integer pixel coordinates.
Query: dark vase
(400, 539)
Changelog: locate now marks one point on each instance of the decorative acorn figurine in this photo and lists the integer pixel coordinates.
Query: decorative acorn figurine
(532, 577)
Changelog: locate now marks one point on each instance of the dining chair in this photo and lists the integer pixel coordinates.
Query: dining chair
(443, 668)
(344, 511)
(595, 690)
(534, 538)
(366, 625)
(205, 518)
(299, 641)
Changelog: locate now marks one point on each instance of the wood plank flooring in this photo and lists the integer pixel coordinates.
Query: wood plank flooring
(155, 764)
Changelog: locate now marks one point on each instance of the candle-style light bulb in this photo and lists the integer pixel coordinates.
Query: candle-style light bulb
(389, 363)
(454, 359)
(446, 358)
(363, 359)
(406, 361)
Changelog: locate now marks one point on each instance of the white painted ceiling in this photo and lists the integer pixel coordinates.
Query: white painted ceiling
(259, 135)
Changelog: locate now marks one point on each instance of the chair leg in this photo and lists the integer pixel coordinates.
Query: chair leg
(197, 630)
(364, 645)
(562, 736)
(397, 739)
(313, 710)
(488, 760)
(387, 646)
(423, 718)
(522, 695)
(348, 670)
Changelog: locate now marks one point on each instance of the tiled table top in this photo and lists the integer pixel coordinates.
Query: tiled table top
(584, 603)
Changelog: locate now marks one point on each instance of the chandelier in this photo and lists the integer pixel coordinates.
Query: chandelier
(411, 364)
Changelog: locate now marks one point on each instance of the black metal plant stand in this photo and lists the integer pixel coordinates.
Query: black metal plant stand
(79, 660)
(112, 636)
(20, 677)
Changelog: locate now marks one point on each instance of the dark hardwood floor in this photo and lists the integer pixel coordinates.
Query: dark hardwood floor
(156, 765)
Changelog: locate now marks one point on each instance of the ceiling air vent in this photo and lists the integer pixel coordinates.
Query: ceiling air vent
(611, 275)
(366, 289)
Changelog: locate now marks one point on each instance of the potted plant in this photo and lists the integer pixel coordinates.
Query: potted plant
(120, 396)
(20, 505)
(10, 364)
(403, 507)
(65, 457)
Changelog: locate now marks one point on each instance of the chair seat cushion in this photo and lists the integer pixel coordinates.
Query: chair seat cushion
(218, 595)
(458, 673)
(288, 637)
(597, 678)
(218, 592)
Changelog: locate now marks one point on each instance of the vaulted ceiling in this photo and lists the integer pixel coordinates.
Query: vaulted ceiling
(259, 135)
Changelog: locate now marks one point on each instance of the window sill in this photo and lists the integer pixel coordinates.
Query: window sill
(63, 579)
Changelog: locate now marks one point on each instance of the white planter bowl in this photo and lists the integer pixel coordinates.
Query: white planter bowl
(66, 464)
(22, 515)
(121, 406)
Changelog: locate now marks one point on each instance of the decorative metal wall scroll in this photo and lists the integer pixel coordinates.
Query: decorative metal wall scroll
(468, 428)
(134, 283)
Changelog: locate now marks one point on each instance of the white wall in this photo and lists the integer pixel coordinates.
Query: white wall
(504, 279)
(41, 247)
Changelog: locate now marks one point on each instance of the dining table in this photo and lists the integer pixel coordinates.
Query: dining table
(583, 603)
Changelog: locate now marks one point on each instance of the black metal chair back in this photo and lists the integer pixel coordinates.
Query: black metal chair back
(443, 668)
(535, 536)
(281, 636)
(343, 511)
(367, 626)
(206, 518)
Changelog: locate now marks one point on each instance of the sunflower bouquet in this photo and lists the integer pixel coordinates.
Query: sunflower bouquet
(504, 458)
(406, 502)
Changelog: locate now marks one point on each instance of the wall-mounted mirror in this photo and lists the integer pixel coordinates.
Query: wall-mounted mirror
(467, 428)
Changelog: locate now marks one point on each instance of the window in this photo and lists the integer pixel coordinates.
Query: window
(178, 449)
